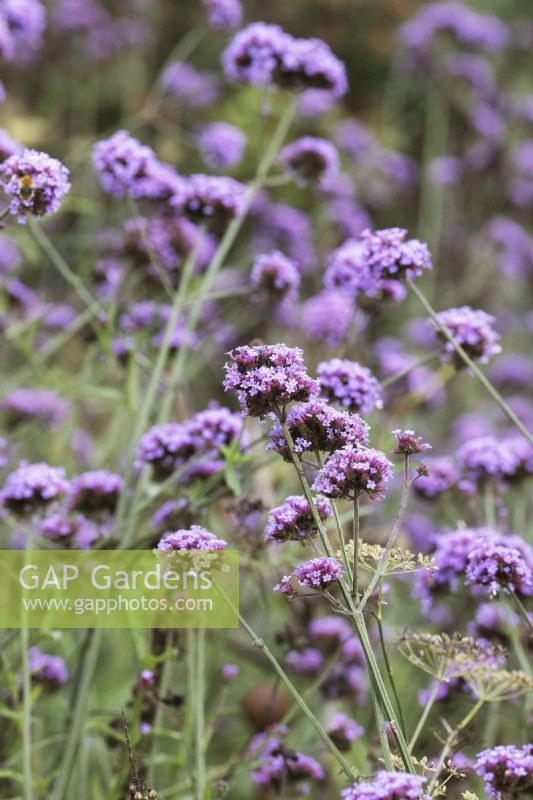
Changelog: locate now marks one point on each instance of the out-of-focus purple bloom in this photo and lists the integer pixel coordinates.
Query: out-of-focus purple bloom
(32, 486)
(446, 170)
(8, 146)
(275, 275)
(228, 672)
(313, 102)
(281, 766)
(343, 730)
(475, 70)
(224, 15)
(498, 568)
(473, 329)
(316, 426)
(3, 93)
(293, 521)
(210, 199)
(10, 255)
(36, 183)
(285, 228)
(506, 769)
(390, 255)
(354, 138)
(264, 54)
(95, 491)
(352, 471)
(268, 377)
(195, 89)
(22, 24)
(327, 317)
(491, 622)
(488, 122)
(408, 444)
(318, 573)
(310, 160)
(512, 372)
(386, 786)
(4, 452)
(49, 670)
(308, 661)
(193, 538)
(350, 384)
(170, 239)
(443, 475)
(221, 145)
(347, 269)
(80, 15)
(485, 458)
(23, 404)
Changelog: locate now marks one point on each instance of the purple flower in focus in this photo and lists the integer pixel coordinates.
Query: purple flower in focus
(350, 384)
(193, 538)
(51, 671)
(351, 471)
(31, 487)
(390, 255)
(36, 183)
(408, 444)
(316, 426)
(224, 15)
(386, 786)
(499, 568)
(275, 275)
(293, 521)
(310, 160)
(266, 378)
(221, 145)
(318, 573)
(473, 329)
(506, 769)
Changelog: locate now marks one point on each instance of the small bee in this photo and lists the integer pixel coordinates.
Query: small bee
(25, 187)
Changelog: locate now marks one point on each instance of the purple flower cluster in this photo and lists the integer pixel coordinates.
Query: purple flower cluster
(24, 404)
(343, 731)
(210, 199)
(36, 183)
(351, 471)
(22, 24)
(192, 447)
(498, 567)
(193, 538)
(316, 426)
(485, 458)
(32, 486)
(221, 145)
(266, 378)
(408, 444)
(293, 521)
(350, 384)
(310, 160)
(386, 786)
(328, 317)
(473, 329)
(263, 54)
(389, 255)
(280, 766)
(347, 269)
(224, 15)
(318, 573)
(443, 475)
(196, 89)
(95, 491)
(275, 275)
(506, 769)
(50, 671)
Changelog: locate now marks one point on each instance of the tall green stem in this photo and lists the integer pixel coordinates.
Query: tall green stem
(481, 377)
(199, 715)
(355, 536)
(425, 714)
(26, 715)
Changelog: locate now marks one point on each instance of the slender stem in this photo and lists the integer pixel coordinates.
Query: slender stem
(521, 610)
(481, 377)
(488, 498)
(199, 716)
(397, 376)
(425, 714)
(79, 716)
(26, 715)
(450, 742)
(382, 563)
(380, 724)
(355, 536)
(259, 643)
(388, 667)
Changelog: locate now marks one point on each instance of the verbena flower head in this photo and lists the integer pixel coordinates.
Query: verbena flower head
(24, 404)
(197, 89)
(221, 145)
(211, 199)
(386, 786)
(350, 384)
(308, 661)
(193, 538)
(327, 317)
(310, 160)
(49, 670)
(316, 426)
(32, 486)
(275, 275)
(390, 255)
(443, 476)
(281, 766)
(36, 183)
(22, 24)
(507, 770)
(95, 491)
(343, 730)
(352, 471)
(485, 458)
(498, 567)
(266, 378)
(264, 54)
(474, 330)
(408, 444)
(347, 270)
(318, 573)
(224, 15)
(293, 521)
